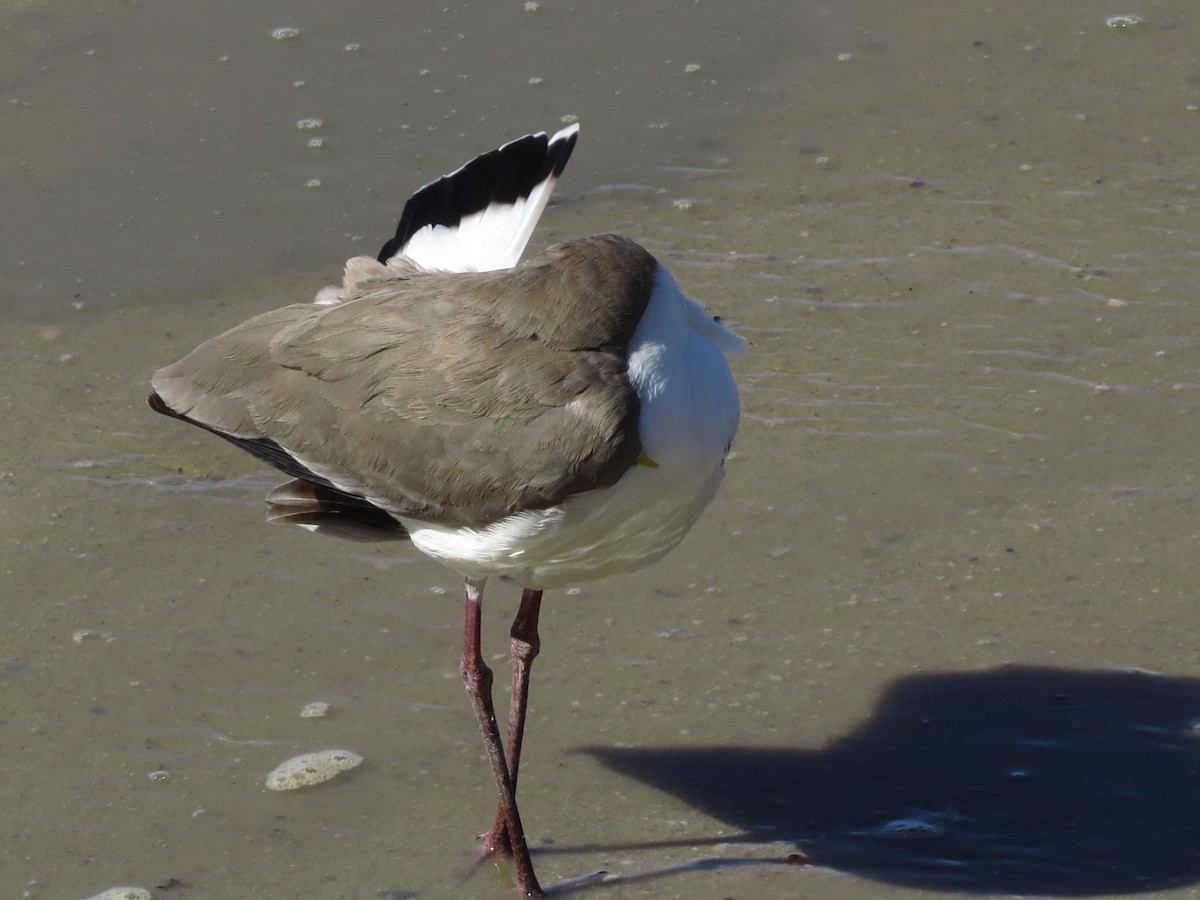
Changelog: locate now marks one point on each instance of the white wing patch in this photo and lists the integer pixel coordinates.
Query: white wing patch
(493, 238)
(479, 217)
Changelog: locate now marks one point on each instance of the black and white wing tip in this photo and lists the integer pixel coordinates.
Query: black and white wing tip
(481, 216)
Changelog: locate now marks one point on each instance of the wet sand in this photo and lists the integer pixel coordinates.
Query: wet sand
(914, 636)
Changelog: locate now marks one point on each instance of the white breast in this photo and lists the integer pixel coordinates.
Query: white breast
(689, 415)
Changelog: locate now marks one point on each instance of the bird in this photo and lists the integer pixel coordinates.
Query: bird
(549, 421)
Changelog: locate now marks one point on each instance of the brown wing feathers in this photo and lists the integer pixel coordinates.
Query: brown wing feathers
(457, 398)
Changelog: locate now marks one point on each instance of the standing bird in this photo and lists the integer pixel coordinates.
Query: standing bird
(555, 420)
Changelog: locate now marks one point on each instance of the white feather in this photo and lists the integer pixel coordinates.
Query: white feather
(493, 238)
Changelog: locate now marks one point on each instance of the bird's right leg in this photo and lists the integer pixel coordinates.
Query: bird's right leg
(525, 646)
(477, 678)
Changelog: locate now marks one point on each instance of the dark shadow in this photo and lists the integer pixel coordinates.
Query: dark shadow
(1011, 781)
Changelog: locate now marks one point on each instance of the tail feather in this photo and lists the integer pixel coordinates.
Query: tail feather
(481, 216)
(326, 510)
(308, 500)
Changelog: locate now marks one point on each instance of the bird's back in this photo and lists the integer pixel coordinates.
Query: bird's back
(457, 399)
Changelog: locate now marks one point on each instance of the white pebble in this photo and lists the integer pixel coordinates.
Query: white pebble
(123, 893)
(330, 295)
(87, 634)
(318, 709)
(308, 124)
(285, 33)
(311, 768)
(1126, 21)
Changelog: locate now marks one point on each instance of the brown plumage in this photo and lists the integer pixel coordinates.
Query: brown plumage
(445, 369)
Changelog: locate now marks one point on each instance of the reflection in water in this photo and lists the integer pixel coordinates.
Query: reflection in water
(1017, 780)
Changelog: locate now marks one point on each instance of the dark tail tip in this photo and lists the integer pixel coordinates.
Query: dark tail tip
(160, 406)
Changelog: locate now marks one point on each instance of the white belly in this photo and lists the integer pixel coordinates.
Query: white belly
(689, 414)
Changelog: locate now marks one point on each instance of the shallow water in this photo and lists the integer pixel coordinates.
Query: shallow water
(913, 638)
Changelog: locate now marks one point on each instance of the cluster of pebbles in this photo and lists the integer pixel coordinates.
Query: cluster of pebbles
(299, 771)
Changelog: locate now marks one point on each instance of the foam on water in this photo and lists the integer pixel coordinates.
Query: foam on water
(311, 768)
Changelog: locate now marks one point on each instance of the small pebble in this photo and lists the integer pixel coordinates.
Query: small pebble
(81, 635)
(123, 893)
(1126, 21)
(318, 709)
(285, 33)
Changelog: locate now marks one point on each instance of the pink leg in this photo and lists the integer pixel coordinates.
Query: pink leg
(478, 680)
(525, 646)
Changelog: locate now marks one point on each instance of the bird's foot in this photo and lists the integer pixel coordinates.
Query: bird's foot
(496, 843)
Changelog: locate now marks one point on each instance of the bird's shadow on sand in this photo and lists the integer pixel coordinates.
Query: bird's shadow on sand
(1011, 781)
